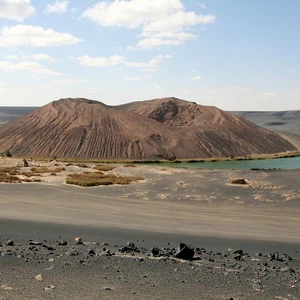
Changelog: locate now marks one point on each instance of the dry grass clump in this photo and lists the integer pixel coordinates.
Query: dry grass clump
(129, 166)
(9, 175)
(104, 168)
(88, 179)
(42, 170)
(10, 170)
(82, 165)
(31, 174)
(39, 171)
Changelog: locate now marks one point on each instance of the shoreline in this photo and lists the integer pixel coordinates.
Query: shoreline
(287, 154)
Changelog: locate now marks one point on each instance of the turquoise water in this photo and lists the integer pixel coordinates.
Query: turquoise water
(279, 163)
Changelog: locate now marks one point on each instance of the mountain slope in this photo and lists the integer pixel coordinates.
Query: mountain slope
(165, 128)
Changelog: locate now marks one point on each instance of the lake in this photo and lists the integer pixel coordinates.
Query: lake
(278, 163)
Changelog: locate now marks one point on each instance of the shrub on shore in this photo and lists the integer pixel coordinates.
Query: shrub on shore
(88, 179)
(104, 168)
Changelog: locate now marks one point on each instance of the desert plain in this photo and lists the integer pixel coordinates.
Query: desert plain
(245, 237)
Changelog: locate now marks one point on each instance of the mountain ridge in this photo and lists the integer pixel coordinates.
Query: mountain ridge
(158, 128)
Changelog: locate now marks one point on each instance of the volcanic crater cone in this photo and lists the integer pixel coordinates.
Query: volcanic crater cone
(160, 128)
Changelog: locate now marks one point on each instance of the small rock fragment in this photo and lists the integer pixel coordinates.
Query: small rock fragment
(237, 256)
(38, 277)
(238, 181)
(78, 241)
(5, 287)
(92, 252)
(9, 243)
(63, 243)
(184, 252)
(35, 243)
(287, 269)
(130, 245)
(155, 251)
(49, 288)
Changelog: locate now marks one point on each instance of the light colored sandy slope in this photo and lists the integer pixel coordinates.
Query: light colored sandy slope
(162, 128)
(193, 202)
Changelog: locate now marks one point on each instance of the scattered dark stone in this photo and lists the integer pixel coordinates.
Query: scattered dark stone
(287, 257)
(238, 181)
(184, 252)
(257, 285)
(92, 252)
(105, 252)
(78, 241)
(62, 243)
(237, 256)
(275, 256)
(130, 245)
(35, 243)
(239, 252)
(9, 243)
(287, 269)
(155, 251)
(72, 253)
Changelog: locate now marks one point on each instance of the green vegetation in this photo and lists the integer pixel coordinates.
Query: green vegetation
(88, 179)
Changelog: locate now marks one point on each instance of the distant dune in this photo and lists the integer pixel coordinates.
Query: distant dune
(283, 121)
(9, 113)
(162, 128)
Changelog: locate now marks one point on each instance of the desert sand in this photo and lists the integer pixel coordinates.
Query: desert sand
(197, 207)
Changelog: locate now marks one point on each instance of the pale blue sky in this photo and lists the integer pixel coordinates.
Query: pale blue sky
(236, 55)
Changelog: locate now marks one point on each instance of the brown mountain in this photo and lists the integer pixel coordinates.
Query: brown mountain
(166, 128)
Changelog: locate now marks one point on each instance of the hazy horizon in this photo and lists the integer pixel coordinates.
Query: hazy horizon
(32, 106)
(237, 56)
